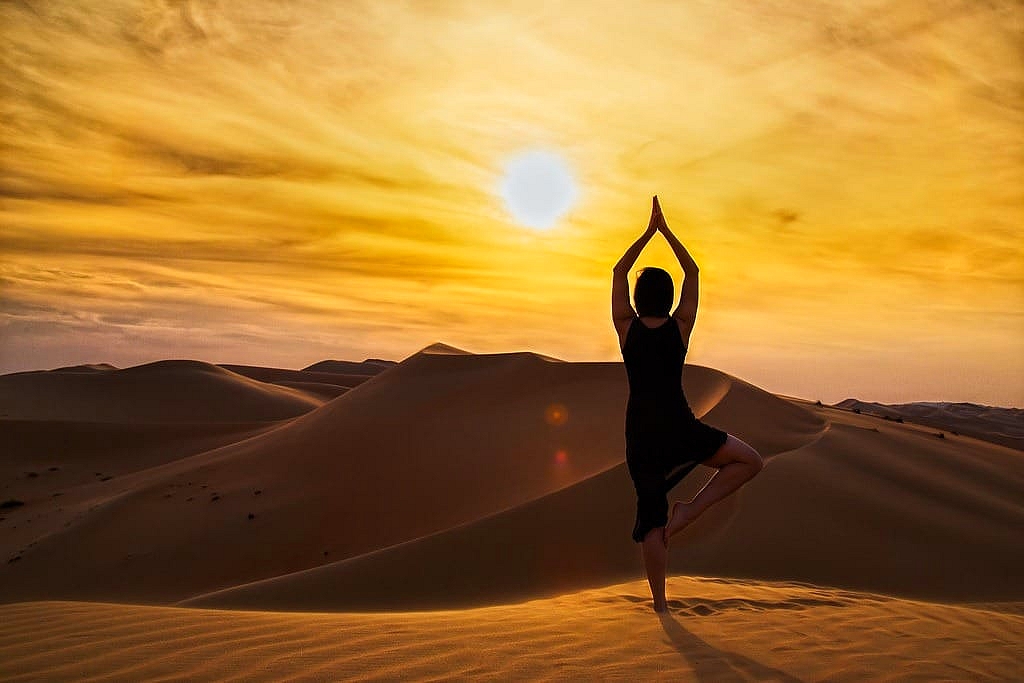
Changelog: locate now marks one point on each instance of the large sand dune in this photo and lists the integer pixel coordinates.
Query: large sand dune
(437, 441)
(454, 480)
(922, 519)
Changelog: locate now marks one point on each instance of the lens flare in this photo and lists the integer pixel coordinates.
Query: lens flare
(556, 414)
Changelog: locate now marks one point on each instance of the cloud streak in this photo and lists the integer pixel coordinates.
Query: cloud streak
(194, 176)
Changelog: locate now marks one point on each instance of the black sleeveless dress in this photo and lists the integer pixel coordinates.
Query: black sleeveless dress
(664, 439)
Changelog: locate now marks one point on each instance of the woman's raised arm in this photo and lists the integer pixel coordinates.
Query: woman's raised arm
(633, 252)
(683, 256)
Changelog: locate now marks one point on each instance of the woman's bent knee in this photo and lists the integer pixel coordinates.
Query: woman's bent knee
(749, 456)
(735, 450)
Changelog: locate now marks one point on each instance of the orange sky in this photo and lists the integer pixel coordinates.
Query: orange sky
(270, 184)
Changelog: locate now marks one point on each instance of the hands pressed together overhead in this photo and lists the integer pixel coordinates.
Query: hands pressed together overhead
(657, 222)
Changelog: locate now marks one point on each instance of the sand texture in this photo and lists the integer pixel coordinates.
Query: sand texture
(717, 630)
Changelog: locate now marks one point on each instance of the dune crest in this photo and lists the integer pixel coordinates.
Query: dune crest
(160, 392)
(440, 348)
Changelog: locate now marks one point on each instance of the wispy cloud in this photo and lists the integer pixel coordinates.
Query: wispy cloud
(195, 176)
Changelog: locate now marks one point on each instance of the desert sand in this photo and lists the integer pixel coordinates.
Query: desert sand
(468, 515)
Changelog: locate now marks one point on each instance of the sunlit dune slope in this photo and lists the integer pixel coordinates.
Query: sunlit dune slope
(716, 630)
(165, 391)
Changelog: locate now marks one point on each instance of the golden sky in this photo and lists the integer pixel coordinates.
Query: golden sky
(278, 183)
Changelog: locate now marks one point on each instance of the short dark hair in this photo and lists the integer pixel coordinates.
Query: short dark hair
(653, 293)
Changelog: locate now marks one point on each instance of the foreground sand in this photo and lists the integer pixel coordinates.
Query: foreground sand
(718, 630)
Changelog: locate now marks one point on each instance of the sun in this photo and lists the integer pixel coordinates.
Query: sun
(538, 188)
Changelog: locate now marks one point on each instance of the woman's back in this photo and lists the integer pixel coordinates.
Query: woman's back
(654, 358)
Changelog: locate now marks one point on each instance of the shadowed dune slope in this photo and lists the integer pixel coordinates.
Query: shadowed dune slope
(283, 376)
(59, 469)
(438, 441)
(370, 366)
(161, 392)
(318, 390)
(896, 511)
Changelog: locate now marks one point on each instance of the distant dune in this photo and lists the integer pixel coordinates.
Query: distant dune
(165, 391)
(999, 425)
(370, 366)
(456, 481)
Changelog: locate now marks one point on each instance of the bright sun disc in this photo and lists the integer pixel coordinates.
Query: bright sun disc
(538, 188)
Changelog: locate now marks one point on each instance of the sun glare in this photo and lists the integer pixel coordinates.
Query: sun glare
(538, 188)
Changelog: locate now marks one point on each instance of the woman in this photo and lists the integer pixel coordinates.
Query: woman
(664, 440)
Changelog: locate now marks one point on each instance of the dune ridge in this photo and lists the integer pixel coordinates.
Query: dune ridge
(160, 392)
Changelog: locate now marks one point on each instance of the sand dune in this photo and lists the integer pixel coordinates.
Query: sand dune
(717, 630)
(86, 367)
(459, 481)
(370, 469)
(999, 425)
(832, 512)
(370, 366)
(318, 390)
(165, 391)
(282, 375)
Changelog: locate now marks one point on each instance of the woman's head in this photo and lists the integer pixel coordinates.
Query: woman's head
(652, 293)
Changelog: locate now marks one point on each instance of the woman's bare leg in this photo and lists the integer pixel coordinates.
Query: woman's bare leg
(737, 463)
(656, 563)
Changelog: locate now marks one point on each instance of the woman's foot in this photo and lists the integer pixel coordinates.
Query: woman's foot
(678, 520)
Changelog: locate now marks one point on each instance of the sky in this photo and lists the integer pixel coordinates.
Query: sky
(276, 183)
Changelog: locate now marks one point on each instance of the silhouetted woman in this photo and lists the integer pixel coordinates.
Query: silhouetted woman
(664, 440)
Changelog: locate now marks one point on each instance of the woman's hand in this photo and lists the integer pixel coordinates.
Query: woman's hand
(657, 223)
